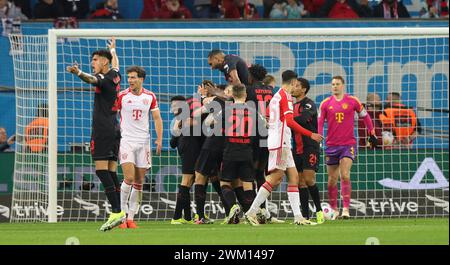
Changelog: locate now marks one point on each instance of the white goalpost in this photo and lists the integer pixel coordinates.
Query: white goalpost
(54, 178)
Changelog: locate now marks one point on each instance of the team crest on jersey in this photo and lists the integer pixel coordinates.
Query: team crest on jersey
(345, 106)
(330, 107)
(145, 101)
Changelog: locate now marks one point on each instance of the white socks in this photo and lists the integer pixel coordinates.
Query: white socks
(124, 194)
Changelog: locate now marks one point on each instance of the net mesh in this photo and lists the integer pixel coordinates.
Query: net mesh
(397, 180)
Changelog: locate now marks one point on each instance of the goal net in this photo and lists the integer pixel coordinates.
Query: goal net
(54, 177)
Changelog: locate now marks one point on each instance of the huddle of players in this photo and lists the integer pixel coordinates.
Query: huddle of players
(222, 136)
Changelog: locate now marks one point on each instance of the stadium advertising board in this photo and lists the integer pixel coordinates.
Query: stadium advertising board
(81, 206)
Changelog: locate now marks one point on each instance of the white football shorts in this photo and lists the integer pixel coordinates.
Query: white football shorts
(137, 153)
(281, 159)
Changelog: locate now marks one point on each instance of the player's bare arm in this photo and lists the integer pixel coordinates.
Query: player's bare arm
(112, 49)
(234, 77)
(215, 91)
(74, 69)
(159, 130)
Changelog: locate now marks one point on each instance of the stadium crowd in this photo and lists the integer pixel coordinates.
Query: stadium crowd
(221, 9)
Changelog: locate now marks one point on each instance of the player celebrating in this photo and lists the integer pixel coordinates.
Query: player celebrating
(210, 157)
(135, 103)
(339, 110)
(189, 144)
(105, 136)
(280, 154)
(233, 67)
(183, 196)
(240, 128)
(307, 151)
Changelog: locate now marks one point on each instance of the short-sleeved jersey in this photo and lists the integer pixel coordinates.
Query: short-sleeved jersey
(134, 114)
(260, 95)
(240, 124)
(340, 116)
(105, 101)
(279, 133)
(193, 103)
(305, 114)
(234, 62)
(215, 142)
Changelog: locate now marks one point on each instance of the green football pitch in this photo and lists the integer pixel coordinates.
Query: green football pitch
(340, 232)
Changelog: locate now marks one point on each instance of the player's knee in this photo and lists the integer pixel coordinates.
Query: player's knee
(311, 182)
(274, 181)
(187, 180)
(247, 185)
(345, 176)
(302, 183)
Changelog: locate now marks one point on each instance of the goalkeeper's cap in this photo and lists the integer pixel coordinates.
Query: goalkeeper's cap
(288, 75)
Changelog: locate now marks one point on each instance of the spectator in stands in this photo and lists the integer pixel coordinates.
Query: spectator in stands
(240, 9)
(434, 8)
(400, 120)
(9, 10)
(340, 9)
(107, 10)
(151, 9)
(313, 7)
(365, 10)
(36, 132)
(278, 10)
(295, 9)
(206, 9)
(267, 4)
(391, 9)
(48, 9)
(374, 108)
(25, 7)
(5, 142)
(173, 9)
(75, 8)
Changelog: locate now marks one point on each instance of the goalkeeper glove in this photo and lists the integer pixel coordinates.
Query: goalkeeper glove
(373, 140)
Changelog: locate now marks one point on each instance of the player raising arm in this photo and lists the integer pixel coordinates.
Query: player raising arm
(105, 136)
(135, 104)
(280, 153)
(339, 110)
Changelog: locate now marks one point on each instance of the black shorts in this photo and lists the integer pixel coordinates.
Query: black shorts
(189, 150)
(209, 162)
(238, 169)
(105, 146)
(308, 160)
(261, 155)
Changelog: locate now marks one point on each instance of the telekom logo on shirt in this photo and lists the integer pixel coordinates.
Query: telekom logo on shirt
(339, 117)
(137, 114)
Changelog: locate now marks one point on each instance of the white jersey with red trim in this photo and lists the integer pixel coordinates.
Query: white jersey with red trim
(279, 133)
(134, 115)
